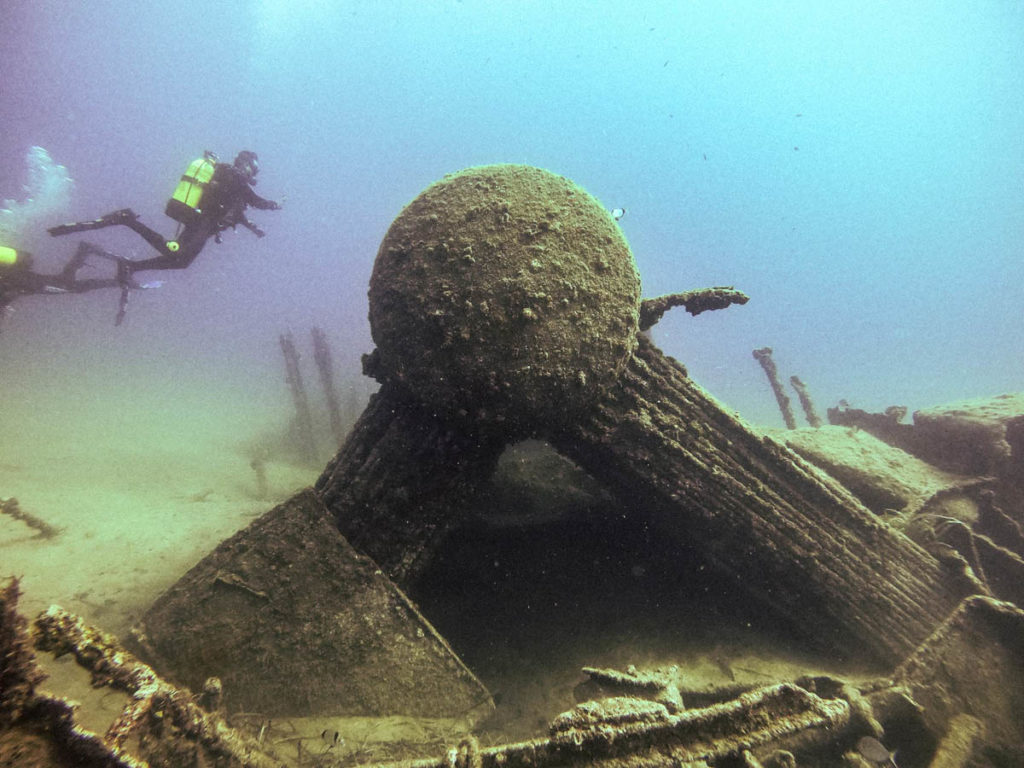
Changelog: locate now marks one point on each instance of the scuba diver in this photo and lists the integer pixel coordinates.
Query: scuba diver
(210, 198)
(17, 278)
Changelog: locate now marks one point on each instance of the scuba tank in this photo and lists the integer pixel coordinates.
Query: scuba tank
(11, 258)
(185, 204)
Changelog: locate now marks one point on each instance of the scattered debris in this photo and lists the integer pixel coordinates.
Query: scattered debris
(160, 727)
(609, 731)
(974, 437)
(662, 688)
(11, 508)
(978, 437)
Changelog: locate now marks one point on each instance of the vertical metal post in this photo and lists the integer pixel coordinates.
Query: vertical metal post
(322, 355)
(805, 401)
(303, 417)
(764, 357)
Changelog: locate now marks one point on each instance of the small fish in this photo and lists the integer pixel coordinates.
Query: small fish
(618, 213)
(873, 750)
(721, 660)
(333, 737)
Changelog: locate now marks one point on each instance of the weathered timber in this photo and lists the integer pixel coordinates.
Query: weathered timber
(401, 480)
(623, 730)
(159, 724)
(792, 537)
(160, 721)
(973, 664)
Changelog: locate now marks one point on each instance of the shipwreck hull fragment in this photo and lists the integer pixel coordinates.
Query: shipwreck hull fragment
(295, 623)
(400, 481)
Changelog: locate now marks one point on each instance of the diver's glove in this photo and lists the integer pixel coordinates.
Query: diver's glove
(274, 206)
(252, 228)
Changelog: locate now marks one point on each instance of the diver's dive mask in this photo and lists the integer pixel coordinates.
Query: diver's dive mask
(249, 164)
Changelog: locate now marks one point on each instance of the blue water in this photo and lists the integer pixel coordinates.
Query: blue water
(857, 168)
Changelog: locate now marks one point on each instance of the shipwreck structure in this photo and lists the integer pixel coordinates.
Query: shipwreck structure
(505, 304)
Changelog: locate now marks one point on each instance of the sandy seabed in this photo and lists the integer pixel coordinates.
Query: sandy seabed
(145, 472)
(139, 492)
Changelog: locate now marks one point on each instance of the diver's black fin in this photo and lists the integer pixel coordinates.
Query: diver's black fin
(85, 250)
(122, 306)
(77, 261)
(67, 229)
(110, 220)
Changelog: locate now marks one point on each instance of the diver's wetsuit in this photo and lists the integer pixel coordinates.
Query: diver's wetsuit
(19, 280)
(224, 205)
